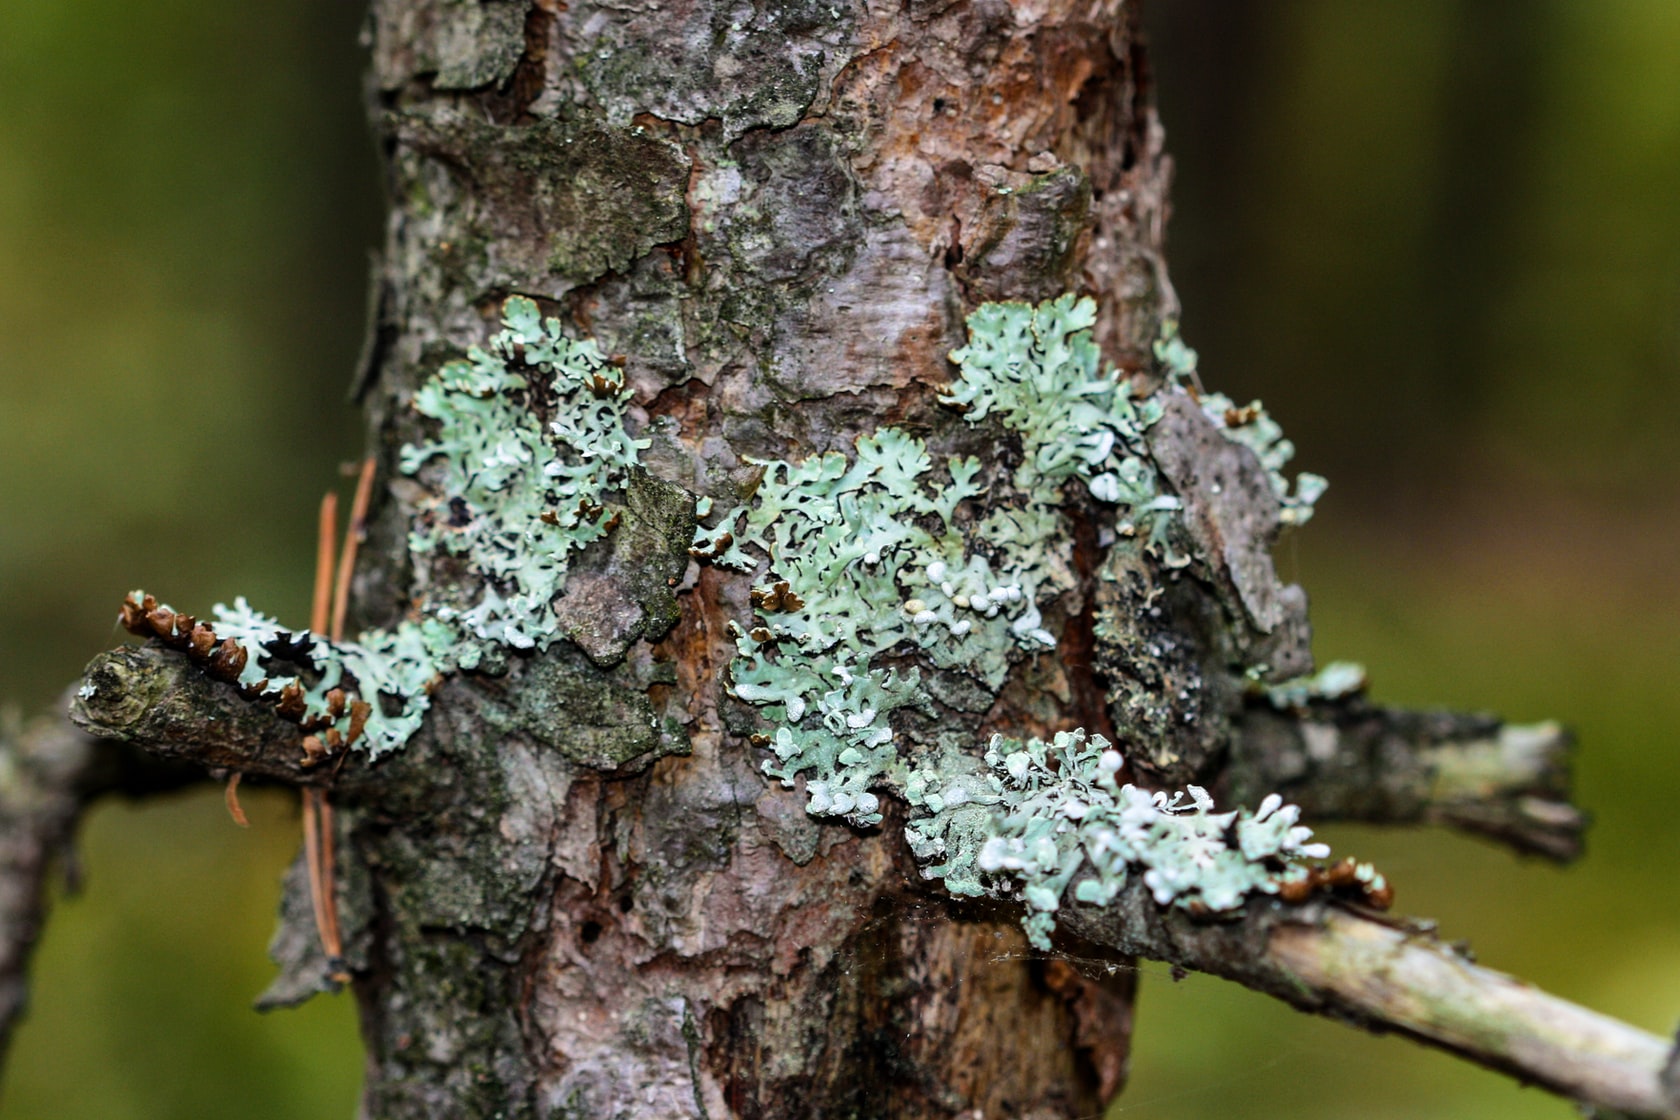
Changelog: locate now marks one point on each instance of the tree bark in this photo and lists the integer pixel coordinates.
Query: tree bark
(779, 216)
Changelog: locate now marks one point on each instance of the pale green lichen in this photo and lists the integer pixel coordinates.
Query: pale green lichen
(511, 499)
(1038, 370)
(871, 554)
(874, 557)
(866, 555)
(1041, 814)
(392, 670)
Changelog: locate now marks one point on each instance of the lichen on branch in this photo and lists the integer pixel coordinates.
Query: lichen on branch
(1046, 816)
(511, 497)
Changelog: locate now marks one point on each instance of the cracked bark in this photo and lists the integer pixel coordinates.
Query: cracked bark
(573, 894)
(50, 773)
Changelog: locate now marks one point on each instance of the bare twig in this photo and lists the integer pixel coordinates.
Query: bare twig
(326, 528)
(49, 773)
(1388, 976)
(230, 797)
(1350, 760)
(353, 534)
(1424, 988)
(317, 809)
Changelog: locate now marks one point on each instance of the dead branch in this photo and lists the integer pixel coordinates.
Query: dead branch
(50, 772)
(158, 701)
(1348, 759)
(1385, 975)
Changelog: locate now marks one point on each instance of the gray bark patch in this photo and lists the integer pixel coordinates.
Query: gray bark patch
(558, 201)
(749, 66)
(1228, 505)
(463, 44)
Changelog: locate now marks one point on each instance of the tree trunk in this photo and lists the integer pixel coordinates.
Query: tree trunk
(779, 215)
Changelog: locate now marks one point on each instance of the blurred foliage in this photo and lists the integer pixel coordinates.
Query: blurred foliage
(1441, 239)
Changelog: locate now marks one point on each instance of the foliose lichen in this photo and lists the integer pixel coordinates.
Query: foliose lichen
(863, 561)
(1336, 681)
(369, 695)
(872, 553)
(513, 498)
(1041, 813)
(876, 556)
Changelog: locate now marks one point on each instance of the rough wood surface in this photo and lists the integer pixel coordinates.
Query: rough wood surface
(1352, 760)
(1386, 975)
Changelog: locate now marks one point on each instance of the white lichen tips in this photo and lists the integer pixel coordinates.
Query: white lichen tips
(873, 553)
(877, 556)
(867, 563)
(391, 670)
(1050, 815)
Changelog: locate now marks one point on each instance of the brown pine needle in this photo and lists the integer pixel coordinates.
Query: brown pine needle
(318, 848)
(230, 796)
(322, 605)
(353, 534)
(333, 940)
(320, 892)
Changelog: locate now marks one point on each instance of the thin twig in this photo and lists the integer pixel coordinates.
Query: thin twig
(319, 892)
(1348, 759)
(53, 773)
(321, 606)
(1388, 976)
(317, 810)
(1432, 993)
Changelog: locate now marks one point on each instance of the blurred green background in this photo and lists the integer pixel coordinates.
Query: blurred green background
(1441, 239)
